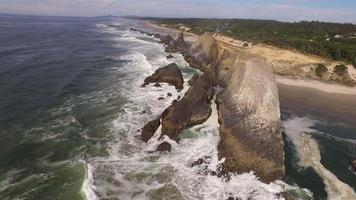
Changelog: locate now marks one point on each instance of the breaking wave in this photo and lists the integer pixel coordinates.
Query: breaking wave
(131, 171)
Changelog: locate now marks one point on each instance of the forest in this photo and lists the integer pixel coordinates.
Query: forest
(331, 40)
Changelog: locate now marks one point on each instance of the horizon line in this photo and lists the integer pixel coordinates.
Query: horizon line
(171, 17)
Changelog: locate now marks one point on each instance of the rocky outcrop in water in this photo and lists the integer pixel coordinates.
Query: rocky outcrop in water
(248, 107)
(194, 108)
(249, 115)
(169, 74)
(178, 45)
(149, 129)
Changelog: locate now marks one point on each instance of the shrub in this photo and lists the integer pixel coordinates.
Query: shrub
(340, 69)
(320, 69)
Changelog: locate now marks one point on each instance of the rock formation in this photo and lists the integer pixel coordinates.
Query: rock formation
(249, 115)
(149, 129)
(203, 55)
(194, 108)
(164, 39)
(169, 74)
(177, 45)
(248, 106)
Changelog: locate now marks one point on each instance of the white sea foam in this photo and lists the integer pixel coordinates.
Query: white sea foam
(309, 156)
(130, 172)
(88, 186)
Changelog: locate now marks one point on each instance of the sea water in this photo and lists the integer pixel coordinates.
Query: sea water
(72, 107)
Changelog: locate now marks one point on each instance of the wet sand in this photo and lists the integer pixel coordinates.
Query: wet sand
(309, 100)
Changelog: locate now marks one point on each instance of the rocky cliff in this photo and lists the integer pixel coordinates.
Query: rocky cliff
(249, 116)
(248, 107)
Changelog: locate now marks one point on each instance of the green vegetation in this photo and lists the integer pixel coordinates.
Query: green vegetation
(329, 40)
(340, 69)
(320, 69)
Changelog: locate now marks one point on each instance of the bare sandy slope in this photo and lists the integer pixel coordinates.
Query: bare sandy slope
(287, 64)
(284, 61)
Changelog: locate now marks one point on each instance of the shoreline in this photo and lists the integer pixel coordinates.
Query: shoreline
(303, 95)
(327, 87)
(190, 37)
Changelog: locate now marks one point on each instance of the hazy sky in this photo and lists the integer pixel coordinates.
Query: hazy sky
(285, 10)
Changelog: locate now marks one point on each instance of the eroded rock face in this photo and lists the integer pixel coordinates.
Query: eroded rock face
(169, 74)
(177, 45)
(203, 54)
(164, 39)
(249, 115)
(165, 146)
(149, 129)
(194, 108)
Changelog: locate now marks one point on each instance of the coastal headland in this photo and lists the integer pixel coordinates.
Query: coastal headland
(249, 90)
(297, 91)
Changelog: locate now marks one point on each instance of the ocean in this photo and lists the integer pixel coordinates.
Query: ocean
(71, 109)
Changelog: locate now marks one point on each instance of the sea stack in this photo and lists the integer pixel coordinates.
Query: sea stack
(249, 115)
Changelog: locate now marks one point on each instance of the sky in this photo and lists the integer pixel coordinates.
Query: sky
(282, 10)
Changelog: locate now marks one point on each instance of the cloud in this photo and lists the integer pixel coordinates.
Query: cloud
(291, 10)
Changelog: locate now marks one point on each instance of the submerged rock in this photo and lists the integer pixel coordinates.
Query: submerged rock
(149, 129)
(170, 74)
(170, 56)
(249, 115)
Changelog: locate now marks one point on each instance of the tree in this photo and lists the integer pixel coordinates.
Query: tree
(320, 70)
(340, 69)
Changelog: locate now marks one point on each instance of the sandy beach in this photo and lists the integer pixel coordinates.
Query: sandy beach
(336, 102)
(190, 37)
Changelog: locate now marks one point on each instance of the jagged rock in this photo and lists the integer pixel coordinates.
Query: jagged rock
(169, 74)
(200, 161)
(165, 146)
(165, 39)
(169, 94)
(249, 117)
(170, 56)
(178, 45)
(180, 36)
(157, 85)
(233, 198)
(160, 98)
(194, 108)
(203, 53)
(149, 129)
